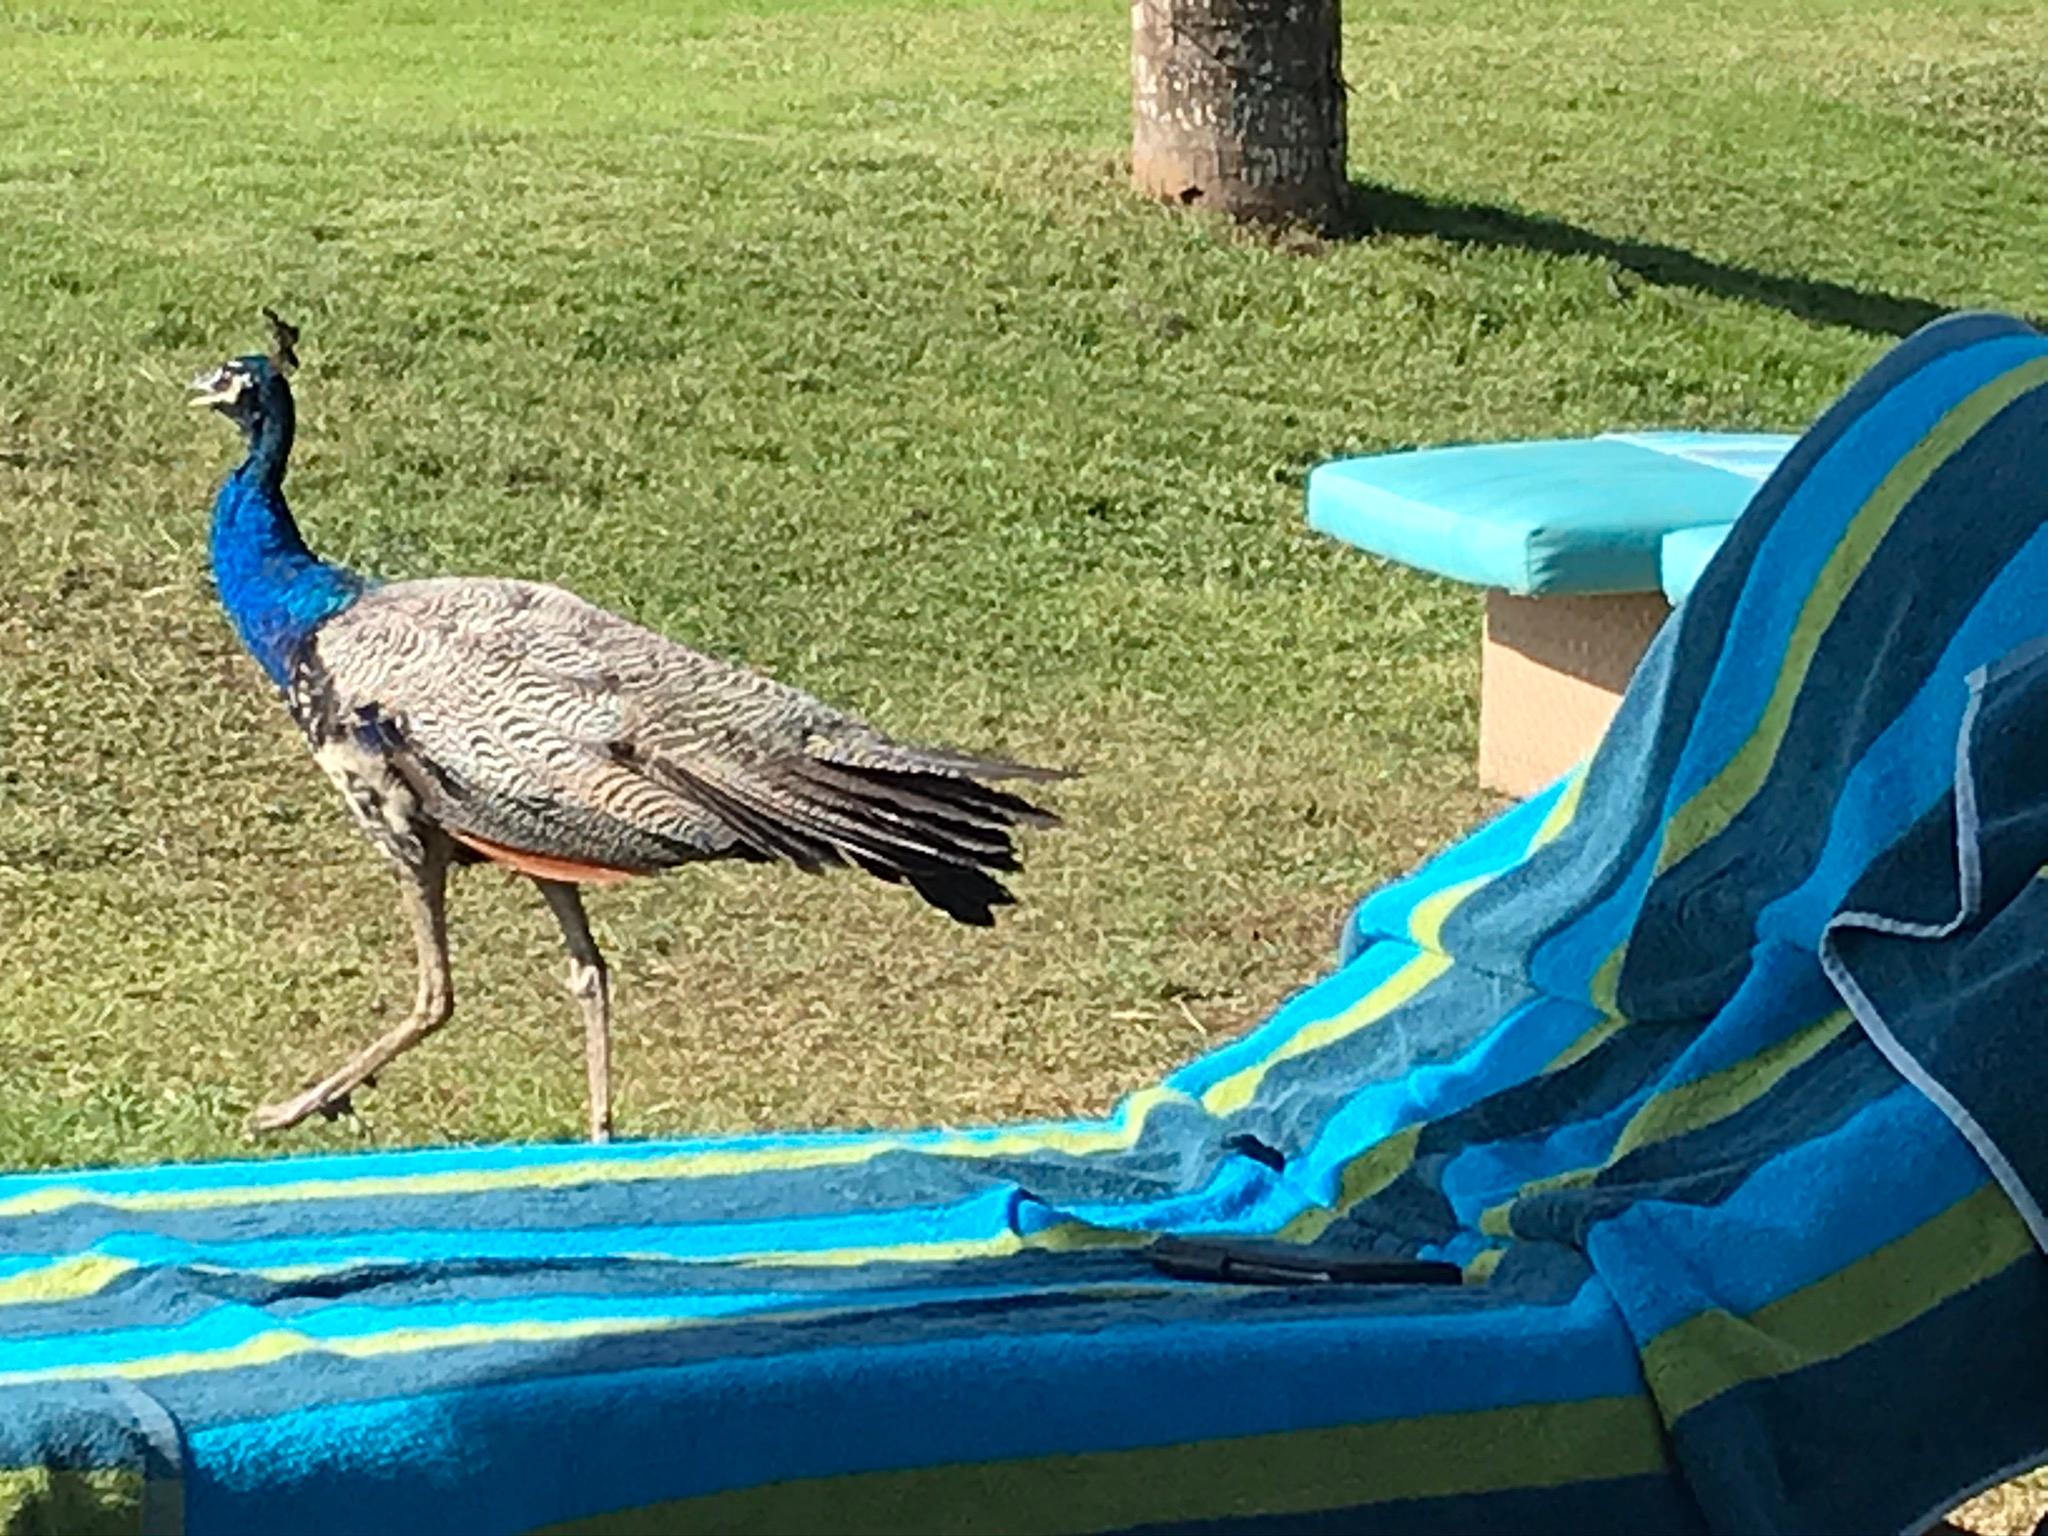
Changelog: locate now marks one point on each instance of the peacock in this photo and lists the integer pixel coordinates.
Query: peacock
(482, 719)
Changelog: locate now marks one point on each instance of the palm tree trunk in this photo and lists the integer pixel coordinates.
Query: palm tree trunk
(1239, 105)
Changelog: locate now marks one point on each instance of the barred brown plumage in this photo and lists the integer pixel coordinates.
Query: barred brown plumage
(535, 720)
(468, 718)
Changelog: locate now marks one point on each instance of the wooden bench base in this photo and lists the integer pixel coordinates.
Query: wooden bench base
(1551, 678)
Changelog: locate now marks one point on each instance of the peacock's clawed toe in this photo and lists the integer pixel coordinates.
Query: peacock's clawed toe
(286, 1113)
(281, 1116)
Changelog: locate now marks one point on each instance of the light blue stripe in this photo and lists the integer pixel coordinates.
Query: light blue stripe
(1524, 1040)
(1241, 1196)
(230, 1324)
(734, 1423)
(1323, 1000)
(1481, 1176)
(1567, 961)
(1776, 1234)
(339, 1170)
(349, 1167)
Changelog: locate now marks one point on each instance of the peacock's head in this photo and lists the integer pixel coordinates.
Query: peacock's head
(237, 389)
(246, 390)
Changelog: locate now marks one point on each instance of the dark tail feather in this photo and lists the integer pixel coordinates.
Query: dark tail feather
(963, 830)
(928, 827)
(964, 797)
(870, 752)
(966, 765)
(965, 895)
(971, 832)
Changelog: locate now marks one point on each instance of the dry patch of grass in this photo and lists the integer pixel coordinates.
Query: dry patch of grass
(2017, 1508)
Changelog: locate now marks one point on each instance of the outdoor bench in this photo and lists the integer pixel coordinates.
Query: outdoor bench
(1583, 545)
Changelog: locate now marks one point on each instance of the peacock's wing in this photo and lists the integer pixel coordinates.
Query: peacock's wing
(526, 717)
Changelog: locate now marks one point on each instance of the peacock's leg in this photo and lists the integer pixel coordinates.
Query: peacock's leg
(590, 984)
(425, 891)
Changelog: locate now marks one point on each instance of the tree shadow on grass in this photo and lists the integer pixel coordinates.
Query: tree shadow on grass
(1376, 210)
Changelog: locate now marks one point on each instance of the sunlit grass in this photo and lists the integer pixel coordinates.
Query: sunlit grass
(826, 336)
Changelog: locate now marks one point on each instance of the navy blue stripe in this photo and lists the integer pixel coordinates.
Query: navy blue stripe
(1692, 935)
(1627, 1506)
(1891, 1431)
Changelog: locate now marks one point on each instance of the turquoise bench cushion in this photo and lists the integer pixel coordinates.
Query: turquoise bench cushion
(1570, 515)
(1685, 555)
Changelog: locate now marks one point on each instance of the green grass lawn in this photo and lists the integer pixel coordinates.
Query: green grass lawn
(826, 336)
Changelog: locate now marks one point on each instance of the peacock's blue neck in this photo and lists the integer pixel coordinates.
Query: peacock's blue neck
(275, 589)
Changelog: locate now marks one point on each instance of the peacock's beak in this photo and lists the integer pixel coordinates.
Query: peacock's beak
(223, 386)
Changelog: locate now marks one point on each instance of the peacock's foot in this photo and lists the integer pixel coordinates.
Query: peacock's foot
(323, 1101)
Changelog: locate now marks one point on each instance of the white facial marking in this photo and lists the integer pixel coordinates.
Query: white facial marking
(222, 387)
